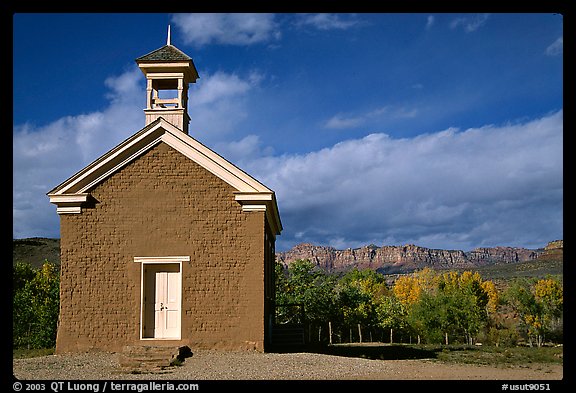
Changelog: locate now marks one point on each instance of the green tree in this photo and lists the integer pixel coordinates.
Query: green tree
(428, 317)
(538, 304)
(358, 294)
(21, 274)
(306, 284)
(467, 303)
(35, 305)
(449, 303)
(392, 315)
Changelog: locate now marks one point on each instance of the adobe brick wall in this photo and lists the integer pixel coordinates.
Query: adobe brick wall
(162, 204)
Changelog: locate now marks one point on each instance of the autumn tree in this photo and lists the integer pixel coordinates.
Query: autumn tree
(493, 297)
(550, 293)
(538, 304)
(411, 295)
(449, 303)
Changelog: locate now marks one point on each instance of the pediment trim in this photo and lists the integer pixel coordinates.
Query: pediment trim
(72, 193)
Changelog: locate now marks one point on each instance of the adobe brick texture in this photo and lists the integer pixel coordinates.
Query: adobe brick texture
(162, 204)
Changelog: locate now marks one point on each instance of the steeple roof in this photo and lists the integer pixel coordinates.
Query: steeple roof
(165, 53)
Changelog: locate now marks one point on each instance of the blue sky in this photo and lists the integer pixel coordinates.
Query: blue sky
(441, 130)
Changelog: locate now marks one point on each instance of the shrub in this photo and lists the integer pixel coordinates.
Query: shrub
(35, 303)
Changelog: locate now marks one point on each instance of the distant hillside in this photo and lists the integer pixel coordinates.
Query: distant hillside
(538, 268)
(495, 262)
(405, 259)
(36, 250)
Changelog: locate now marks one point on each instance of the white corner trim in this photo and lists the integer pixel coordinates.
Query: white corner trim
(69, 210)
(68, 203)
(253, 196)
(253, 208)
(68, 198)
(261, 202)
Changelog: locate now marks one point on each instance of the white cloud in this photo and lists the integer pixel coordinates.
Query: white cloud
(498, 185)
(45, 156)
(342, 121)
(555, 48)
(339, 121)
(430, 21)
(217, 104)
(449, 189)
(231, 29)
(243, 151)
(327, 21)
(469, 23)
(218, 86)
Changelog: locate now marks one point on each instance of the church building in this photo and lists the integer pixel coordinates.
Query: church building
(163, 241)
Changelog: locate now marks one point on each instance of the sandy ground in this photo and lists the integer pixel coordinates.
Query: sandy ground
(218, 365)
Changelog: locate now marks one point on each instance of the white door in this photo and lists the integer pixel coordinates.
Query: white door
(167, 305)
(162, 315)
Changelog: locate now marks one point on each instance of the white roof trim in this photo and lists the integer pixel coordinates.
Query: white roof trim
(133, 147)
(118, 166)
(213, 162)
(249, 191)
(108, 163)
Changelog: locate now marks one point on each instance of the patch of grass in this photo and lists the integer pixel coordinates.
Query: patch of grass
(31, 353)
(177, 362)
(500, 356)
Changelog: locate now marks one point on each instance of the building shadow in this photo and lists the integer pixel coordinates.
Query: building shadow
(374, 351)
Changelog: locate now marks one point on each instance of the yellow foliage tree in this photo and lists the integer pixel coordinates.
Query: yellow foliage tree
(408, 289)
(549, 291)
(493, 297)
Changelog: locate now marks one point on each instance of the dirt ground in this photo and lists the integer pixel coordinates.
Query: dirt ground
(432, 370)
(217, 365)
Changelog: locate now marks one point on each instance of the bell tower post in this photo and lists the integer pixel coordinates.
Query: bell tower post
(168, 73)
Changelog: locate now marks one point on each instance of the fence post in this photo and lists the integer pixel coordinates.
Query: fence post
(360, 333)
(330, 332)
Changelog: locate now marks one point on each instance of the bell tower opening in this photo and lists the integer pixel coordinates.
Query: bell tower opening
(168, 73)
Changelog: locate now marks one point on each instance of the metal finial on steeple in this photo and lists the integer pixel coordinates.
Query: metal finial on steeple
(168, 40)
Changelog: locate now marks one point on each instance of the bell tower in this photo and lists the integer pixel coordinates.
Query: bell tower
(168, 73)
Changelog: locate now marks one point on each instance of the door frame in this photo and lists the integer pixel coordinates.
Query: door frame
(163, 260)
